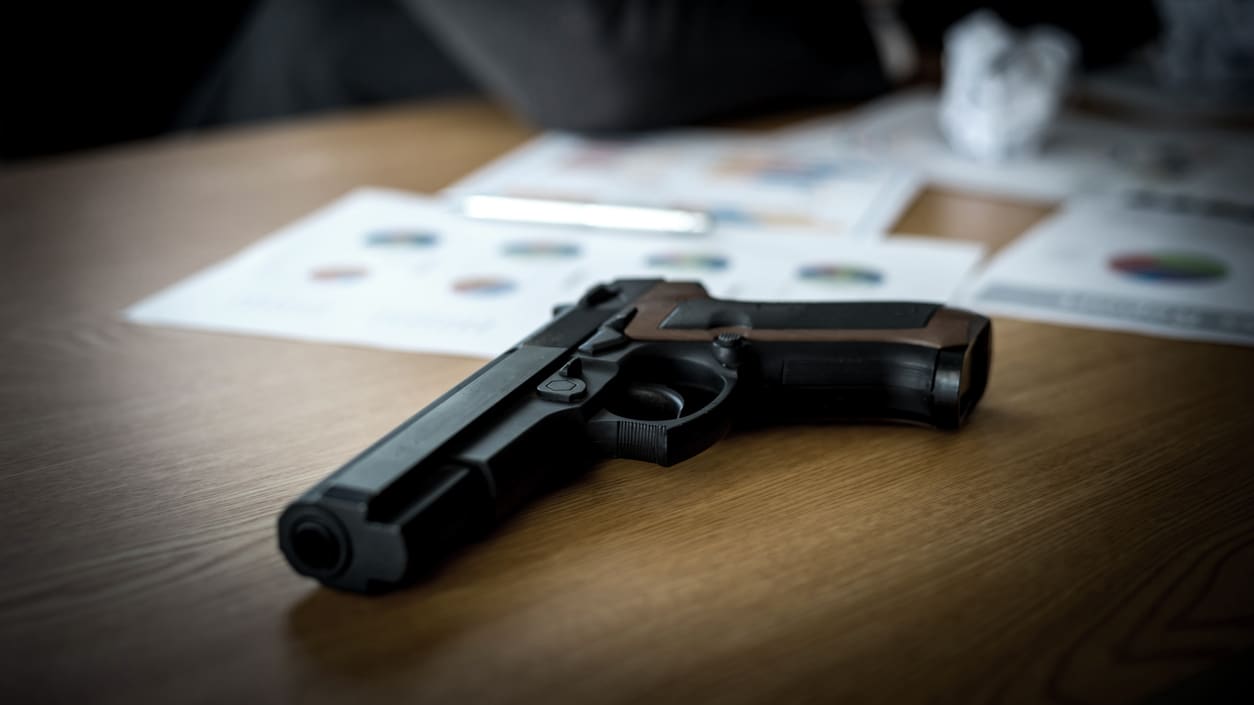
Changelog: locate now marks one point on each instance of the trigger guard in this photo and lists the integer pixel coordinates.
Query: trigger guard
(669, 441)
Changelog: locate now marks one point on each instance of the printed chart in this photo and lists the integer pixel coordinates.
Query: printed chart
(394, 270)
(740, 179)
(1111, 263)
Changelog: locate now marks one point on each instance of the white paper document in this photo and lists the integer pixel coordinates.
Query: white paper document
(1161, 265)
(1080, 155)
(743, 180)
(394, 270)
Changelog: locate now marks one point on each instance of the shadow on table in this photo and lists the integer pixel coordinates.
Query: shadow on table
(442, 618)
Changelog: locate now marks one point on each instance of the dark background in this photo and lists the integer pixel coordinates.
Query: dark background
(84, 74)
(81, 75)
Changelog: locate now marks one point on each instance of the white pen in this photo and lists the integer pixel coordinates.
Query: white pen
(589, 215)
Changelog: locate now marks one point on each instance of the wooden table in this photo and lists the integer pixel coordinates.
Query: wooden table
(1088, 538)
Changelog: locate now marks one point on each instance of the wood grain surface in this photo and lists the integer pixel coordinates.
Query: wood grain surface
(1088, 538)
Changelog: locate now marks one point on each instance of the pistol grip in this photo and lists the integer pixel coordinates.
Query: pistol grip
(894, 361)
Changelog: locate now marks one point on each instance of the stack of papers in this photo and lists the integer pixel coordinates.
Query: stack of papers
(400, 271)
(1156, 235)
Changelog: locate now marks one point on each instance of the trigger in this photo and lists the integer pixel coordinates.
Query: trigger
(641, 440)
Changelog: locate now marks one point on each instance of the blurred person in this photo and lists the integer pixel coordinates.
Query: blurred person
(297, 56)
(608, 65)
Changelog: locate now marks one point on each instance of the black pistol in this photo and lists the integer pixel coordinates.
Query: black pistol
(638, 368)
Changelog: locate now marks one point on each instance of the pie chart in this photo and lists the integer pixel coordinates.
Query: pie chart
(1169, 267)
(840, 274)
(401, 238)
(706, 262)
(483, 286)
(541, 249)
